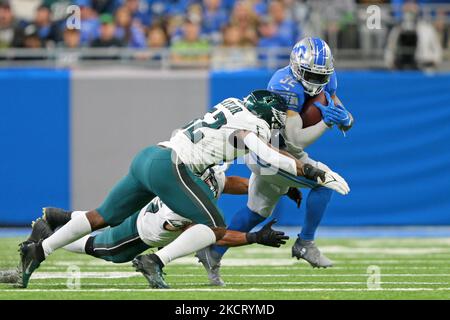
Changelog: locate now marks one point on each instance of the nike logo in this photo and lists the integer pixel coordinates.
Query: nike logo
(27, 270)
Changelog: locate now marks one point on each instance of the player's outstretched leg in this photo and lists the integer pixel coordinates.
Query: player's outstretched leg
(244, 220)
(304, 247)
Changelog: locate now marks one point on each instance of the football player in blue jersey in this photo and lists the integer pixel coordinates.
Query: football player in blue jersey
(310, 72)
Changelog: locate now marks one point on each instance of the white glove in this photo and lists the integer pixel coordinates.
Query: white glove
(334, 182)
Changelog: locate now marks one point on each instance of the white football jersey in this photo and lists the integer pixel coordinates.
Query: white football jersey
(153, 217)
(209, 141)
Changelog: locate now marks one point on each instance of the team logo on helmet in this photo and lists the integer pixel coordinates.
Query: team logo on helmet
(312, 64)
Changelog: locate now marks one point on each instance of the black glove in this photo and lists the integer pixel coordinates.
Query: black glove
(267, 236)
(312, 173)
(295, 195)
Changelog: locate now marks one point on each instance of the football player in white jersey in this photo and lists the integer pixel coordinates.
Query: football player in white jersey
(171, 171)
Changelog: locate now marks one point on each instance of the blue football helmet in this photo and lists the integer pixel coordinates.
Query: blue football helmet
(312, 64)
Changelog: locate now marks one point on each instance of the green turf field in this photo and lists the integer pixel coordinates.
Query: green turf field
(410, 269)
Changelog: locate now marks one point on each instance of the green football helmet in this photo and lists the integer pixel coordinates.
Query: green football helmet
(268, 106)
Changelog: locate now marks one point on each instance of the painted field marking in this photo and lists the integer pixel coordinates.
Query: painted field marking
(224, 290)
(113, 275)
(231, 283)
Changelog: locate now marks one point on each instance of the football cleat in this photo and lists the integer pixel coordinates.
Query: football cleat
(31, 256)
(56, 217)
(151, 270)
(40, 230)
(307, 250)
(9, 276)
(211, 262)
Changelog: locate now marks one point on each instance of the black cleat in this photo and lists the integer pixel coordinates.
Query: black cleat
(31, 256)
(40, 231)
(151, 270)
(56, 217)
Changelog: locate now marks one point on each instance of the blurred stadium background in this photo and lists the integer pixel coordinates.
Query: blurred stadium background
(75, 105)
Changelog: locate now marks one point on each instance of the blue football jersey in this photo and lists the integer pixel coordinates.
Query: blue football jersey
(284, 83)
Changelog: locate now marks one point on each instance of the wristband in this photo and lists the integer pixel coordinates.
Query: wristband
(312, 173)
(251, 237)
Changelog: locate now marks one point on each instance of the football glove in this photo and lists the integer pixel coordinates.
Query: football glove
(334, 114)
(335, 182)
(295, 195)
(267, 236)
(328, 179)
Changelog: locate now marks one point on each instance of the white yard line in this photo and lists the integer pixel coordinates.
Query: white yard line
(231, 283)
(115, 275)
(225, 290)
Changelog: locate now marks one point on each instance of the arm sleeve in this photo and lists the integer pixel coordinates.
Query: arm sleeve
(303, 137)
(269, 155)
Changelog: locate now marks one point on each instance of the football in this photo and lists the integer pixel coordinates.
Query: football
(310, 114)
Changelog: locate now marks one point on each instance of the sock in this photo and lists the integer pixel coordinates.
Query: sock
(76, 228)
(316, 204)
(193, 239)
(77, 213)
(77, 246)
(244, 220)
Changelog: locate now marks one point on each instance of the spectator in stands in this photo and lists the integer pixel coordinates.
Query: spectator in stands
(47, 31)
(157, 38)
(71, 43)
(71, 39)
(244, 17)
(260, 7)
(131, 34)
(161, 9)
(174, 27)
(107, 36)
(442, 28)
(413, 44)
(191, 48)
(269, 34)
(286, 28)
(9, 30)
(340, 22)
(233, 54)
(105, 6)
(372, 40)
(31, 38)
(139, 13)
(214, 19)
(90, 24)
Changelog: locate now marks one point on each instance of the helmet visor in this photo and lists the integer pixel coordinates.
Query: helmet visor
(316, 78)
